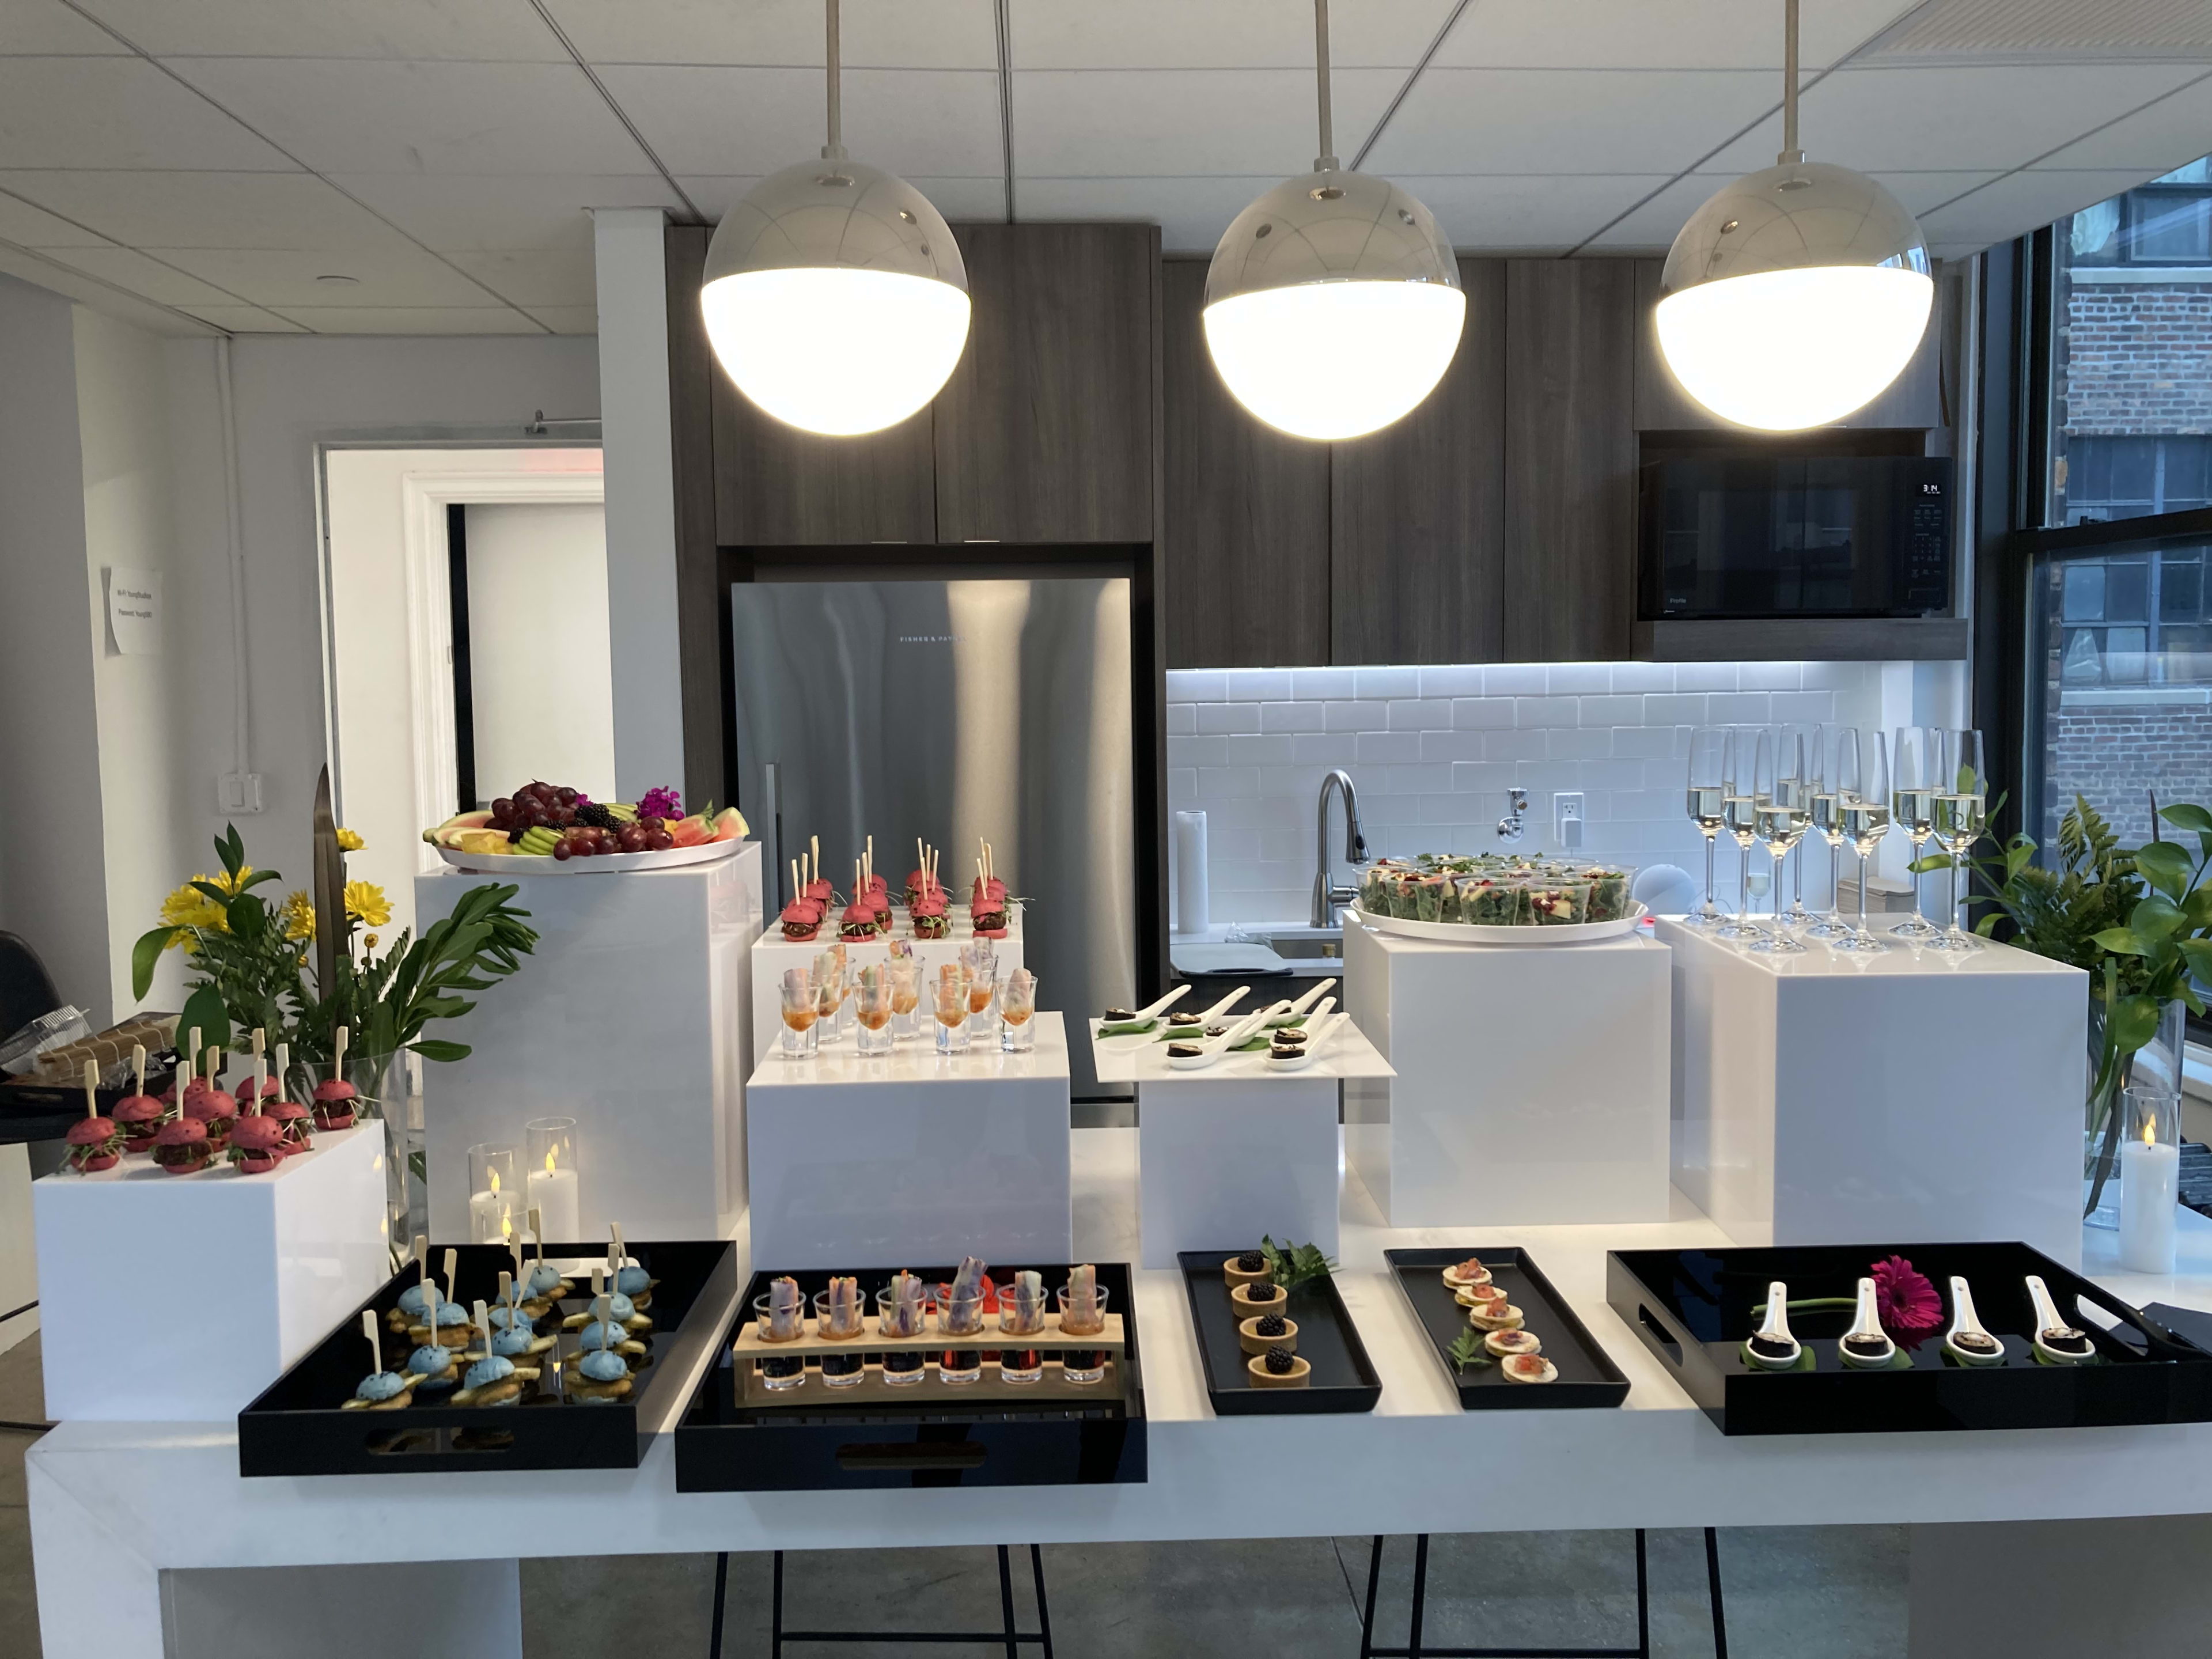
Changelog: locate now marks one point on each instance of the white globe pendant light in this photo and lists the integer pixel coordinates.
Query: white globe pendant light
(834, 292)
(1333, 306)
(1794, 295)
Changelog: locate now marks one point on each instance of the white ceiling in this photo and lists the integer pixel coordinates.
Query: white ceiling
(412, 167)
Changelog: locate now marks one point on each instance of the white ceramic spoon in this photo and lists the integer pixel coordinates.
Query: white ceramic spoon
(1141, 1021)
(1323, 1029)
(2057, 1342)
(1194, 1030)
(1775, 1329)
(1211, 1049)
(1866, 1346)
(1303, 1003)
(1968, 1342)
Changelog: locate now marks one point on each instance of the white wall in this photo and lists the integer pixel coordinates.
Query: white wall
(540, 675)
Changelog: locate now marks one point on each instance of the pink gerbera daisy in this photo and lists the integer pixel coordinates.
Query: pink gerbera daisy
(1910, 1310)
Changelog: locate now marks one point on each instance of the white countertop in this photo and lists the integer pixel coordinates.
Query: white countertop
(1899, 958)
(916, 1061)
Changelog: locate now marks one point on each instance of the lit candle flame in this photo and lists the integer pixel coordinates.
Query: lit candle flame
(506, 1225)
(2148, 1137)
(495, 1180)
(549, 1160)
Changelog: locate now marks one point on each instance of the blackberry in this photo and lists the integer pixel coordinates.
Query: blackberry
(1251, 1262)
(1271, 1325)
(590, 812)
(1280, 1362)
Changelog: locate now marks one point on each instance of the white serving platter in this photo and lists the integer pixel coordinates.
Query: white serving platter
(600, 864)
(1453, 932)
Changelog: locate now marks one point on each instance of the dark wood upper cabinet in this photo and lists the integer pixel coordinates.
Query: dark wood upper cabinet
(1044, 432)
(691, 470)
(777, 486)
(1570, 566)
(1245, 532)
(1417, 510)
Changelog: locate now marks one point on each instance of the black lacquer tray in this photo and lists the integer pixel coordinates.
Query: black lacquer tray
(1343, 1379)
(1693, 1309)
(813, 1438)
(1587, 1377)
(298, 1425)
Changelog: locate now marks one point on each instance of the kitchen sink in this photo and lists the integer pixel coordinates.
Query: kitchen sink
(1303, 946)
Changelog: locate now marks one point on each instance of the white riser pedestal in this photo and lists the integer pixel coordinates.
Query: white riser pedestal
(631, 1018)
(1531, 1083)
(258, 1269)
(1901, 1099)
(910, 1160)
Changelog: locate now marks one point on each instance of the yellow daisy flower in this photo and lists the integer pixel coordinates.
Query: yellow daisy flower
(365, 901)
(350, 841)
(188, 908)
(298, 916)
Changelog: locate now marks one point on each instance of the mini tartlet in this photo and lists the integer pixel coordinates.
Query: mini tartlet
(1252, 1300)
(1278, 1368)
(1265, 1331)
(1248, 1268)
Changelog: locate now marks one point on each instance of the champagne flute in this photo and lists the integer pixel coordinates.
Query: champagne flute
(1782, 817)
(1824, 769)
(1862, 783)
(1709, 770)
(1961, 810)
(1807, 741)
(1740, 812)
(1915, 760)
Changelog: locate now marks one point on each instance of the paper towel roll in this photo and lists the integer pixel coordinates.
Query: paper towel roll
(1190, 872)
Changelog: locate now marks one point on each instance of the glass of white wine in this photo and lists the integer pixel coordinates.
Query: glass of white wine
(1824, 764)
(1784, 812)
(1807, 738)
(1961, 810)
(1708, 774)
(1861, 780)
(1915, 760)
(1740, 815)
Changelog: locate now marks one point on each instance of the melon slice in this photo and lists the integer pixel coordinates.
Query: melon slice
(693, 831)
(444, 835)
(729, 825)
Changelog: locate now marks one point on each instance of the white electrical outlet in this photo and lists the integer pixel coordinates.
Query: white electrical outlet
(1567, 820)
(238, 791)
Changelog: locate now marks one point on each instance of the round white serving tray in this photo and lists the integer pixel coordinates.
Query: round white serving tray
(600, 864)
(1453, 932)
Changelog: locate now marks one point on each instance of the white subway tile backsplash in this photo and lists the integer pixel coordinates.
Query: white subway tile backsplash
(1389, 682)
(1246, 750)
(1451, 681)
(1738, 708)
(1228, 782)
(1259, 685)
(1611, 711)
(1704, 677)
(1770, 676)
(1575, 743)
(1356, 717)
(1474, 713)
(1679, 709)
(1183, 786)
(1420, 779)
(1320, 684)
(1643, 677)
(1198, 751)
(1814, 706)
(1218, 717)
(1513, 746)
(1419, 715)
(1396, 748)
(1182, 719)
(1444, 746)
(1197, 685)
(1544, 711)
(1318, 748)
(1483, 777)
(1570, 679)
(1645, 742)
(1288, 717)
(1513, 679)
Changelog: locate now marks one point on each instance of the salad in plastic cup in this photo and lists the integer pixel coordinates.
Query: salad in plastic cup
(1554, 903)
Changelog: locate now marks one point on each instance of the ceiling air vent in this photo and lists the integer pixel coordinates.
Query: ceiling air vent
(2045, 31)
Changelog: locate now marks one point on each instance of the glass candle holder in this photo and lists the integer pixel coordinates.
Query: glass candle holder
(950, 1008)
(779, 1372)
(874, 1000)
(800, 1016)
(1018, 1012)
(906, 998)
(959, 1316)
(553, 1177)
(2150, 1178)
(839, 1370)
(491, 1194)
(903, 1367)
(1083, 1365)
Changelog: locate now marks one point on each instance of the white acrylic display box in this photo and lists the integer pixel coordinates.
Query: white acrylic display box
(773, 953)
(911, 1158)
(178, 1298)
(1531, 1083)
(630, 1018)
(1233, 1151)
(1901, 1094)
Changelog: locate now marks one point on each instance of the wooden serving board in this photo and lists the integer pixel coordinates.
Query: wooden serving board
(749, 1344)
(873, 1390)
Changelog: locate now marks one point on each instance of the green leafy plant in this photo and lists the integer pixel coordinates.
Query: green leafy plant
(1468, 1350)
(1292, 1265)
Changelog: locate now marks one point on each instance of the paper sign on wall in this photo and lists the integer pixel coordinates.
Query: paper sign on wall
(134, 612)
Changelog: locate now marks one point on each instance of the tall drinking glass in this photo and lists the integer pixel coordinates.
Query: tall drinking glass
(1916, 762)
(1804, 740)
(1708, 748)
(800, 1014)
(1824, 766)
(1784, 812)
(1862, 779)
(1961, 810)
(1740, 812)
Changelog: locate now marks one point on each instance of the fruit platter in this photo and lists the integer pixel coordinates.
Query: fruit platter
(549, 829)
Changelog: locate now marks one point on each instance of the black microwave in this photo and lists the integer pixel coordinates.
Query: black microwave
(1748, 536)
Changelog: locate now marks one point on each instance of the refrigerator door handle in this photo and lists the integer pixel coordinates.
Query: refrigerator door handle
(771, 821)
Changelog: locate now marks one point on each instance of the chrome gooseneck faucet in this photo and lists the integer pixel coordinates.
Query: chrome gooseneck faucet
(1509, 827)
(1327, 894)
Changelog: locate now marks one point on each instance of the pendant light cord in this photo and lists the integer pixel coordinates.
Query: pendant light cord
(1791, 155)
(835, 149)
(1326, 162)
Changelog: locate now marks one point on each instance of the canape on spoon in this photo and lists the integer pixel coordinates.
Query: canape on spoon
(1968, 1341)
(2057, 1342)
(1866, 1346)
(1772, 1348)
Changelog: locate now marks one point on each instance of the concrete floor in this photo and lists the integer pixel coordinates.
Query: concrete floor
(1814, 1593)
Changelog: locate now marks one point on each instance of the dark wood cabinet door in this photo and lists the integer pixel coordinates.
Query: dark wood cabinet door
(1244, 537)
(698, 598)
(1044, 433)
(1417, 510)
(1570, 567)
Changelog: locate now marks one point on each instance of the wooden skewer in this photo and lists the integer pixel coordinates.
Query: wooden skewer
(92, 1087)
(138, 1067)
(338, 1062)
(538, 1231)
(815, 842)
(797, 887)
(452, 1255)
(483, 1324)
(258, 1063)
(375, 1342)
(283, 1070)
(260, 1041)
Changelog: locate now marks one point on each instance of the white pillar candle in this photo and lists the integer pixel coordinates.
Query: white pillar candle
(553, 1194)
(2150, 1186)
(486, 1212)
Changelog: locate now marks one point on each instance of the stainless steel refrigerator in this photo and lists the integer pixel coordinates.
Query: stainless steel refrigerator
(954, 711)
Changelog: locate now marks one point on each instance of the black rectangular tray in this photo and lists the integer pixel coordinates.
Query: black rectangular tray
(1587, 1377)
(808, 1442)
(298, 1426)
(1693, 1309)
(1343, 1380)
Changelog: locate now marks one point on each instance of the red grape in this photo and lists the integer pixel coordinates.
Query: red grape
(565, 795)
(660, 841)
(561, 852)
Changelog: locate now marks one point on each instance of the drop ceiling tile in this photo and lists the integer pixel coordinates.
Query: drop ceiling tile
(146, 277)
(359, 115)
(1652, 223)
(567, 319)
(1567, 120)
(99, 295)
(2157, 138)
(505, 30)
(207, 209)
(32, 27)
(468, 211)
(28, 226)
(875, 33)
(411, 319)
(289, 277)
(1191, 212)
(534, 277)
(1056, 34)
(955, 199)
(2021, 201)
(710, 120)
(1523, 212)
(1991, 118)
(1119, 124)
(1639, 35)
(244, 319)
(115, 113)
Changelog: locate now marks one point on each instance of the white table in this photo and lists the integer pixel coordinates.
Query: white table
(1235, 1150)
(772, 954)
(1900, 1094)
(630, 1018)
(911, 1159)
(1532, 1080)
(113, 1504)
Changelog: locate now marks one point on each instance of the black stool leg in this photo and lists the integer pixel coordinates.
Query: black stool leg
(1642, 1603)
(1006, 1603)
(1367, 1619)
(775, 1634)
(1713, 1582)
(1420, 1594)
(721, 1586)
(1044, 1616)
